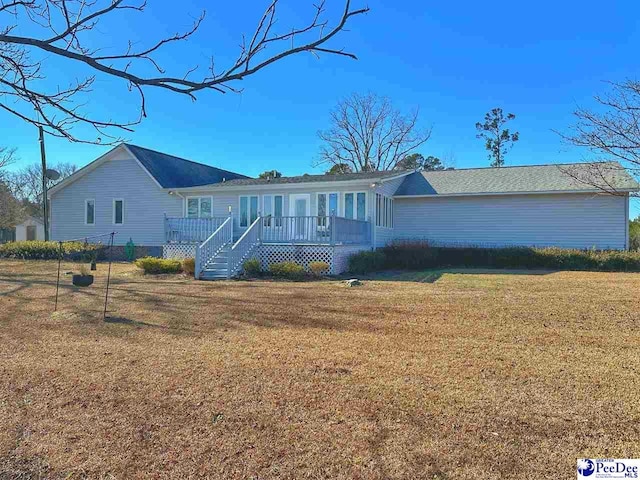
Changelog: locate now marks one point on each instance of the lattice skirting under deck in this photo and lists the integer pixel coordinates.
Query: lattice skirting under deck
(178, 251)
(336, 256)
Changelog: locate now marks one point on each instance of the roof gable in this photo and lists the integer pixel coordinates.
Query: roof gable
(511, 180)
(167, 171)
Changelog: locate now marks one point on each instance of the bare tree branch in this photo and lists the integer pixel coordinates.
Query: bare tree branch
(367, 134)
(610, 134)
(67, 24)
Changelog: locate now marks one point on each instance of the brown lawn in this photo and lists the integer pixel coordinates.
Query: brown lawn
(478, 375)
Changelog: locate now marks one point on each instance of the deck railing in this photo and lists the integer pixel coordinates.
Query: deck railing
(191, 230)
(323, 230)
(317, 229)
(243, 247)
(213, 245)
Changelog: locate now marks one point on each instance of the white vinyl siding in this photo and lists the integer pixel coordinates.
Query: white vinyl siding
(145, 205)
(562, 220)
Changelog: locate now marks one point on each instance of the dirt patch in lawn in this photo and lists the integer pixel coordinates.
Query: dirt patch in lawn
(469, 375)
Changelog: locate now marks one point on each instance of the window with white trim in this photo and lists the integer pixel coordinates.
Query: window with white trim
(118, 211)
(199, 207)
(90, 212)
(326, 206)
(355, 205)
(272, 206)
(384, 211)
(248, 210)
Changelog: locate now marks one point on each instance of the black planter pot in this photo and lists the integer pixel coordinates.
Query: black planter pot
(82, 280)
(93, 266)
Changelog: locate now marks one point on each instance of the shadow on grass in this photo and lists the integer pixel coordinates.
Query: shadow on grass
(432, 276)
(133, 323)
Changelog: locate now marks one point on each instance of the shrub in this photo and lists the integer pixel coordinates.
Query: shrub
(189, 266)
(634, 234)
(289, 270)
(252, 267)
(420, 256)
(319, 268)
(155, 265)
(367, 261)
(40, 250)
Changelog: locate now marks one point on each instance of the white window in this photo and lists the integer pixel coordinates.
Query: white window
(90, 212)
(384, 211)
(248, 210)
(199, 207)
(118, 211)
(355, 205)
(272, 206)
(326, 206)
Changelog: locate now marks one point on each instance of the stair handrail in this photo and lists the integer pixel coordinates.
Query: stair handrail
(212, 245)
(249, 239)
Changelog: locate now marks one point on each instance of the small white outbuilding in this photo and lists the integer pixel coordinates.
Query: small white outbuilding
(31, 229)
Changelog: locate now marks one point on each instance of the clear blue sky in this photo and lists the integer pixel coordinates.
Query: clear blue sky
(453, 60)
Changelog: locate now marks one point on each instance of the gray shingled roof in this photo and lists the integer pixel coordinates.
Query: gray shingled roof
(534, 178)
(307, 179)
(175, 172)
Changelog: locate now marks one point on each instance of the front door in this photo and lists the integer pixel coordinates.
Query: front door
(300, 208)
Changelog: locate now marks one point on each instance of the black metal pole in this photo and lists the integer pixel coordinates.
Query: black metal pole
(106, 295)
(45, 212)
(58, 280)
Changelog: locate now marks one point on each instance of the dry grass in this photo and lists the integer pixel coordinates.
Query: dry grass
(459, 375)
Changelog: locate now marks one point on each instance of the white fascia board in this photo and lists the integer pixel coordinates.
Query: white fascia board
(486, 194)
(213, 189)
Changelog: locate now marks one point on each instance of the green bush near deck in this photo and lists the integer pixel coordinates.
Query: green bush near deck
(422, 256)
(252, 267)
(288, 270)
(318, 269)
(41, 250)
(189, 266)
(367, 261)
(153, 265)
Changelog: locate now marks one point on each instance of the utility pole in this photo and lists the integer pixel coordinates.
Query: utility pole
(45, 210)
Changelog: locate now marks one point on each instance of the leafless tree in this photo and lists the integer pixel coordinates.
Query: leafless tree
(35, 32)
(26, 184)
(7, 157)
(369, 134)
(10, 209)
(611, 134)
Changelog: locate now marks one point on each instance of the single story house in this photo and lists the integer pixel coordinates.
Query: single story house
(178, 208)
(31, 229)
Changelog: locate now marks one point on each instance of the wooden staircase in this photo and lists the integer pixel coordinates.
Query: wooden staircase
(218, 267)
(221, 256)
